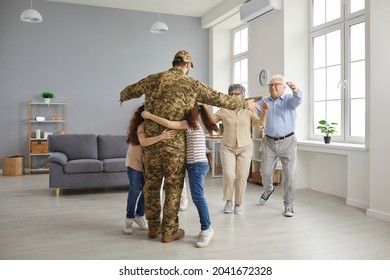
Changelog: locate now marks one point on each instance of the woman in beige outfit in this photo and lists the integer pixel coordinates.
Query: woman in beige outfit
(237, 148)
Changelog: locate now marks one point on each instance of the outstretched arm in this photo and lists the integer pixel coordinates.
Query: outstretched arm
(135, 90)
(297, 95)
(293, 87)
(147, 141)
(164, 122)
(252, 105)
(257, 122)
(263, 116)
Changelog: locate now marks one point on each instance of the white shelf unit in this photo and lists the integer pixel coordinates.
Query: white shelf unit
(214, 144)
(37, 161)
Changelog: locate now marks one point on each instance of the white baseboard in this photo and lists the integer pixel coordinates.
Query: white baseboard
(378, 215)
(357, 204)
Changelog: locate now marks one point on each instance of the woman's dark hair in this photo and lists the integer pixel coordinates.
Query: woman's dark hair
(136, 120)
(207, 121)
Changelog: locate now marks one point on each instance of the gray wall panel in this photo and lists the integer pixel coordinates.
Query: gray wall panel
(86, 55)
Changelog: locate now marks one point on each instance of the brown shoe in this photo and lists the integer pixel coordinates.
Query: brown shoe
(178, 235)
(153, 233)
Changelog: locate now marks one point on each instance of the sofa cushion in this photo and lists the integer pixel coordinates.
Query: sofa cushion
(74, 146)
(114, 165)
(59, 158)
(112, 146)
(83, 166)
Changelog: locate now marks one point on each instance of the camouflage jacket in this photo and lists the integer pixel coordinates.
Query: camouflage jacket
(171, 94)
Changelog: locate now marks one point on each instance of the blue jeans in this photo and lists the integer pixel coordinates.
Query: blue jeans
(196, 174)
(135, 197)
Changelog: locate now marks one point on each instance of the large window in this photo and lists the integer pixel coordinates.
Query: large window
(240, 56)
(338, 62)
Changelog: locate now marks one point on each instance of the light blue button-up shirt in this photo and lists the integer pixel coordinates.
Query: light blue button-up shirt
(282, 114)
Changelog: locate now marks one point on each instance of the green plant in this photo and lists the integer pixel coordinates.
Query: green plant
(47, 94)
(327, 128)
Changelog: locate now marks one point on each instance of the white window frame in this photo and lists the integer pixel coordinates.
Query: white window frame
(343, 24)
(348, 138)
(239, 57)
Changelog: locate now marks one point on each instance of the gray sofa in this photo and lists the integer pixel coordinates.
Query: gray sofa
(87, 161)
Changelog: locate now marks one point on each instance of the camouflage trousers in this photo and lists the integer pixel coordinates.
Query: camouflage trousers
(160, 162)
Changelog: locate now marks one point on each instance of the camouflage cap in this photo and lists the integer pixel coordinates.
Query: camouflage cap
(183, 56)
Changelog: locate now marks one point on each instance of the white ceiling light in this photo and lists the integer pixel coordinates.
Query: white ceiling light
(159, 27)
(31, 15)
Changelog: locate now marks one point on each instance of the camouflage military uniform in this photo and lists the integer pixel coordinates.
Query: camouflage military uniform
(169, 94)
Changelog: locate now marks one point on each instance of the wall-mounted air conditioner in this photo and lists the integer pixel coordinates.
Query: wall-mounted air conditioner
(255, 8)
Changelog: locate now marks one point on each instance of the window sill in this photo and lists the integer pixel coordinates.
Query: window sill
(331, 148)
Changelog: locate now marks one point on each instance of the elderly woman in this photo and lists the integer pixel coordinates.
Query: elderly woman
(237, 148)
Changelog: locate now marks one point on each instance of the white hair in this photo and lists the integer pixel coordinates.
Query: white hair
(279, 77)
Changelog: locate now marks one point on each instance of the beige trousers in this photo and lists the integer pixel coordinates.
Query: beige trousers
(236, 166)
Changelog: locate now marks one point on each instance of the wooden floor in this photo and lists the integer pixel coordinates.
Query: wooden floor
(87, 225)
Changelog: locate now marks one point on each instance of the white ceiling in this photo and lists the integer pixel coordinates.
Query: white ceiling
(195, 8)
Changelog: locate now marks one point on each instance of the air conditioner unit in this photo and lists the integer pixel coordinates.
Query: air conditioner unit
(255, 8)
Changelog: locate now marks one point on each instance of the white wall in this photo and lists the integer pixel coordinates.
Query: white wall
(379, 107)
(266, 49)
(335, 170)
(279, 44)
(296, 59)
(329, 177)
(220, 63)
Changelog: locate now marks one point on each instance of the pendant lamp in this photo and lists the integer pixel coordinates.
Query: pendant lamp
(159, 26)
(31, 15)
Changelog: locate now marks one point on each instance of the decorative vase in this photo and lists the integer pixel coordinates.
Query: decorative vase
(37, 133)
(47, 100)
(327, 139)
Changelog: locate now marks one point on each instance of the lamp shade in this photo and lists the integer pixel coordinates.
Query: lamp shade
(31, 15)
(159, 27)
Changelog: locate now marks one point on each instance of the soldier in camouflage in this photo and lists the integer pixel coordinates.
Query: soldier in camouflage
(171, 95)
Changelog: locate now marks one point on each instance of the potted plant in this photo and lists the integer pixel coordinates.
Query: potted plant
(47, 96)
(327, 129)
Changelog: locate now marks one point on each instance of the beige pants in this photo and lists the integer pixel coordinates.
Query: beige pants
(236, 165)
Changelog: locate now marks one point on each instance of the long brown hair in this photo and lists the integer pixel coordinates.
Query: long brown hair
(136, 120)
(193, 119)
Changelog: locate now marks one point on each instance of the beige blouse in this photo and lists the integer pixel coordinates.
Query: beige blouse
(237, 126)
(134, 153)
(133, 157)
